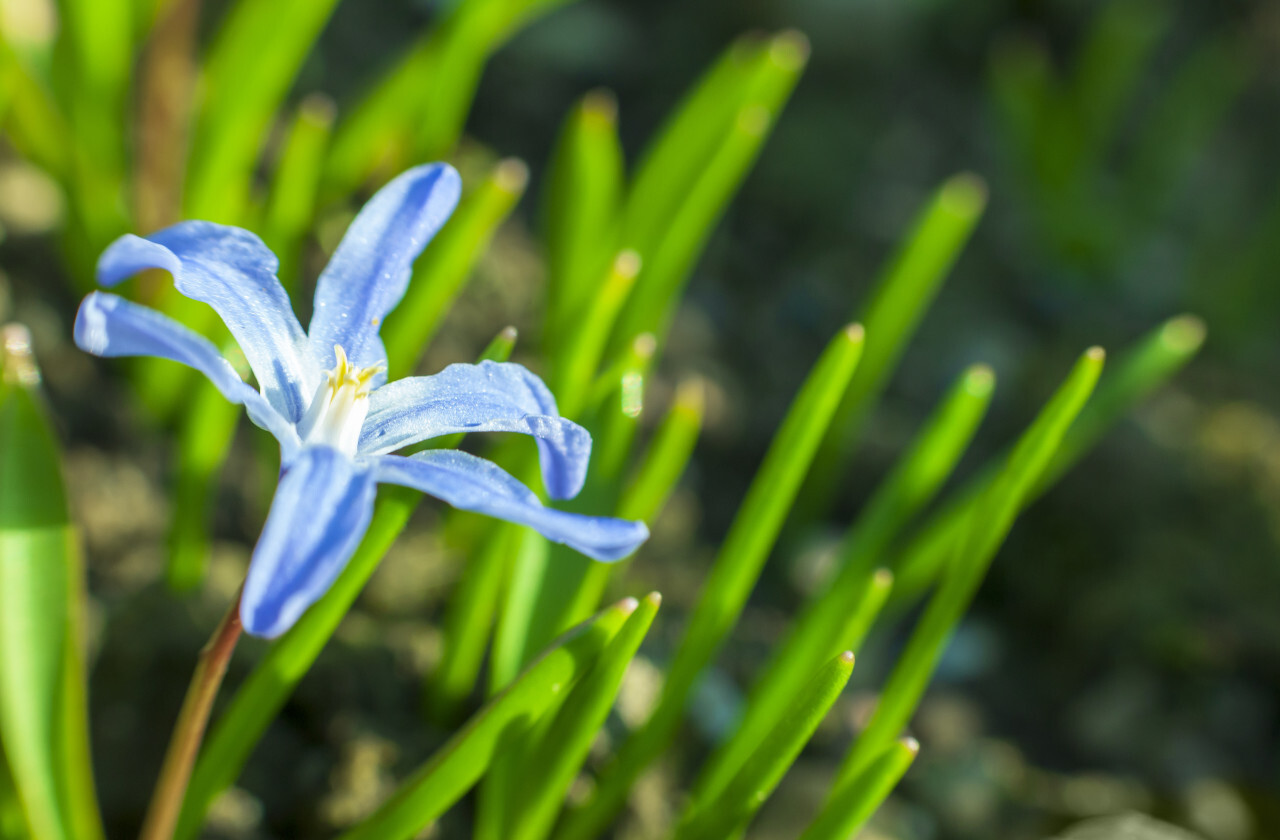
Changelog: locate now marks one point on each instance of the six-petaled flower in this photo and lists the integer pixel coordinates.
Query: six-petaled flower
(323, 393)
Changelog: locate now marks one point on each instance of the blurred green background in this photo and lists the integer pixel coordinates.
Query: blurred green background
(1125, 650)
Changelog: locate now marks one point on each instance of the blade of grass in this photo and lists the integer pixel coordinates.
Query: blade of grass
(839, 616)
(729, 813)
(32, 119)
(564, 747)
(732, 576)
(235, 734)
(698, 203)
(43, 717)
(417, 110)
(296, 184)
(94, 65)
(652, 484)
(445, 267)
(252, 63)
(1139, 372)
(204, 439)
(442, 780)
(984, 533)
(580, 211)
(579, 359)
(902, 295)
(688, 139)
(841, 818)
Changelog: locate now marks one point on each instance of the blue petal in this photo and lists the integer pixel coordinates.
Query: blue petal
(370, 270)
(472, 483)
(232, 271)
(110, 326)
(318, 516)
(488, 397)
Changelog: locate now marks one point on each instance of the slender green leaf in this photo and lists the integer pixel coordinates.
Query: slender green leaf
(204, 439)
(732, 576)
(580, 212)
(839, 616)
(844, 815)
(730, 811)
(1143, 369)
(443, 270)
(984, 532)
(693, 206)
(296, 184)
(649, 488)
(580, 359)
(417, 110)
(902, 295)
(31, 119)
(564, 747)
(252, 64)
(442, 780)
(43, 716)
(468, 624)
(257, 702)
(94, 64)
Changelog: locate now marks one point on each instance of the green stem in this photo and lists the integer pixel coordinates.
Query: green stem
(166, 801)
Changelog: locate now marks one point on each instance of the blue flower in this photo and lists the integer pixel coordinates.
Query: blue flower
(323, 393)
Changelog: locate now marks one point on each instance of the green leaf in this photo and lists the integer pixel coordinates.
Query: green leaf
(562, 749)
(257, 702)
(204, 439)
(296, 184)
(579, 359)
(902, 295)
(468, 623)
(43, 717)
(984, 532)
(580, 212)
(94, 60)
(842, 611)
(451, 772)
(729, 813)
(734, 573)
(669, 223)
(1139, 372)
(841, 818)
(252, 64)
(417, 110)
(442, 271)
(649, 488)
(31, 118)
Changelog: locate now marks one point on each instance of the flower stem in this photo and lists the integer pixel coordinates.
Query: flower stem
(166, 801)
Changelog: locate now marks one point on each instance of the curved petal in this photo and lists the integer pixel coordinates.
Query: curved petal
(232, 271)
(488, 397)
(110, 326)
(319, 514)
(369, 272)
(472, 483)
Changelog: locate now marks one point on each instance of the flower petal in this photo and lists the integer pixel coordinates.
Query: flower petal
(110, 326)
(318, 516)
(488, 397)
(232, 271)
(472, 483)
(369, 271)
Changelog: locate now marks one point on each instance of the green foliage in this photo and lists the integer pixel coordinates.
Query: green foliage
(43, 716)
(620, 248)
(460, 763)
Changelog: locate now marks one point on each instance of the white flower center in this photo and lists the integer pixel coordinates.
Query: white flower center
(339, 406)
